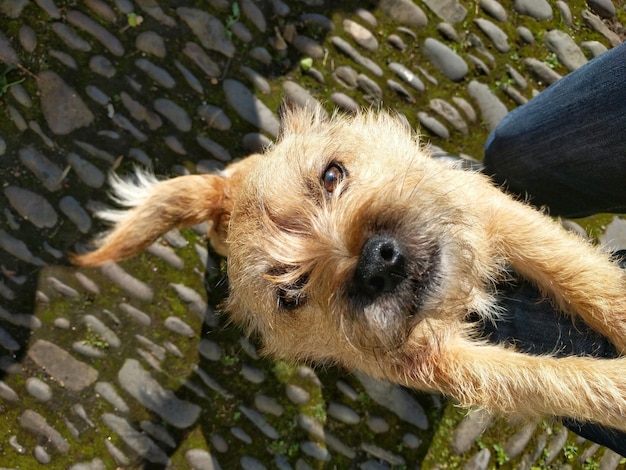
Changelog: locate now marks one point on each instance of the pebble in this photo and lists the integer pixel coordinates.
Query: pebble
(241, 32)
(518, 441)
(565, 48)
(254, 14)
(317, 20)
(133, 286)
(64, 58)
(101, 9)
(449, 10)
(565, 12)
(88, 350)
(219, 443)
(497, 36)
(494, 9)
(74, 211)
(200, 459)
(70, 37)
(28, 38)
(7, 341)
(97, 95)
(433, 125)
(538, 9)
(190, 78)
(541, 71)
(38, 389)
(18, 249)
(107, 391)
(268, 405)
(158, 432)
(96, 325)
(41, 455)
(140, 317)
(361, 35)
(259, 421)
(407, 76)
(97, 31)
(119, 456)
(315, 450)
(594, 22)
(344, 102)
(445, 59)
(261, 55)
(480, 461)
(136, 381)
(178, 326)
(156, 73)
(241, 435)
(202, 60)
(63, 109)
(17, 119)
(258, 81)
(343, 46)
(32, 207)
(37, 424)
(151, 43)
(404, 12)
(137, 441)
(174, 113)
(252, 374)
(602, 8)
(449, 113)
(372, 93)
(343, 413)
(595, 48)
(395, 399)
(383, 454)
(525, 34)
(209, 30)
(249, 107)
(102, 66)
(492, 110)
(23, 320)
(468, 430)
(214, 117)
(297, 395)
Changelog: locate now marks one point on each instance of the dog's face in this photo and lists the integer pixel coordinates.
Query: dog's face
(345, 236)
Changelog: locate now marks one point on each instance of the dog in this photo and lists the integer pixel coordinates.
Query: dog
(346, 243)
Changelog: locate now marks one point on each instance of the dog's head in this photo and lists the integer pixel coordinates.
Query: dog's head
(340, 239)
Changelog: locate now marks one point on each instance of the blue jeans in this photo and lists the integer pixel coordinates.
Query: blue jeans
(564, 149)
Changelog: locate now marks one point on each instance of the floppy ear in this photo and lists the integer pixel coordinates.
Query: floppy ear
(154, 208)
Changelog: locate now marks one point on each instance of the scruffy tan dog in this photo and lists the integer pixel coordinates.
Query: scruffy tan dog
(348, 244)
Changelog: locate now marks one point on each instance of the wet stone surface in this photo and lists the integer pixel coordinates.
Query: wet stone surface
(128, 366)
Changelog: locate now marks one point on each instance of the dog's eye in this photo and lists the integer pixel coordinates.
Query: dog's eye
(290, 299)
(333, 175)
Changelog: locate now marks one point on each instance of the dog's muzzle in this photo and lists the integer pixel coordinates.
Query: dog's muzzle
(382, 266)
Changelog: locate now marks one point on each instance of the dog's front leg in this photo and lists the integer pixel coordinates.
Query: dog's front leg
(511, 383)
(578, 276)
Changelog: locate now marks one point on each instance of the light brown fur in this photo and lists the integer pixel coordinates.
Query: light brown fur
(295, 242)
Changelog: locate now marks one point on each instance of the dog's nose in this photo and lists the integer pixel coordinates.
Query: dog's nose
(381, 267)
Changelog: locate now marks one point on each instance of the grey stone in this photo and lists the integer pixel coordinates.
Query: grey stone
(595, 48)
(343, 413)
(107, 391)
(404, 12)
(516, 444)
(101, 9)
(344, 47)
(297, 395)
(31, 206)
(377, 424)
(361, 35)
(119, 456)
(252, 374)
(214, 117)
(88, 350)
(596, 23)
(38, 389)
(28, 38)
(241, 32)
(479, 461)
(61, 366)
(17, 118)
(395, 399)
(62, 288)
(144, 388)
(262, 55)
(254, 14)
(449, 113)
(555, 445)
(241, 435)
(448, 10)
(400, 90)
(156, 73)
(209, 30)
(468, 431)
(397, 42)
(88, 173)
(190, 78)
(492, 110)
(139, 112)
(62, 107)
(344, 102)
(152, 8)
(525, 34)
(538, 9)
(173, 113)
(96, 325)
(259, 421)
(566, 13)
(209, 350)
(137, 441)
(50, 8)
(407, 76)
(70, 37)
(133, 286)
(315, 450)
(97, 31)
(74, 211)
(565, 48)
(494, 9)
(7, 51)
(41, 455)
(7, 341)
(497, 36)
(307, 46)
(268, 405)
(158, 432)
(102, 66)
(37, 424)
(383, 454)
(21, 96)
(249, 107)
(178, 326)
(151, 43)
(433, 125)
(202, 60)
(541, 71)
(13, 9)
(23, 320)
(602, 8)
(18, 249)
(200, 459)
(317, 20)
(372, 93)
(346, 76)
(445, 59)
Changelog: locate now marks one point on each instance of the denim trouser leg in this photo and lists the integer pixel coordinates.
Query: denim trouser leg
(566, 148)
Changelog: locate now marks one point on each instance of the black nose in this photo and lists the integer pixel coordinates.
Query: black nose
(382, 266)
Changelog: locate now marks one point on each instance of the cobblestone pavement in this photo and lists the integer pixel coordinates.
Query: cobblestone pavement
(129, 366)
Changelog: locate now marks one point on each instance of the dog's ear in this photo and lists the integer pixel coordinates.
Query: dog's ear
(154, 208)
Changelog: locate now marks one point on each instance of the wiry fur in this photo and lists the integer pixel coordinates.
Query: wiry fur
(290, 240)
